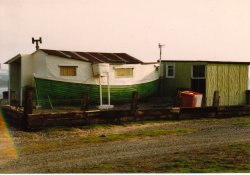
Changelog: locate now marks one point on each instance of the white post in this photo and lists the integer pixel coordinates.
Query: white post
(108, 89)
(100, 83)
(160, 47)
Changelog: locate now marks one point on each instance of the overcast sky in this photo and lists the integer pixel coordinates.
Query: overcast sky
(190, 29)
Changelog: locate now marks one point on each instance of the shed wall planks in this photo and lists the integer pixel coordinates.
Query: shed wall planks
(231, 80)
(211, 82)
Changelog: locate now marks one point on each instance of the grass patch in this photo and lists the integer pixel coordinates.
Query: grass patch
(135, 134)
(246, 123)
(242, 121)
(107, 125)
(229, 159)
(45, 146)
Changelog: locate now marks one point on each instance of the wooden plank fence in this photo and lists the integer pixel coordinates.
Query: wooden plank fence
(27, 120)
(81, 118)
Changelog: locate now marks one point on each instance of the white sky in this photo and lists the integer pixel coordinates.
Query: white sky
(190, 29)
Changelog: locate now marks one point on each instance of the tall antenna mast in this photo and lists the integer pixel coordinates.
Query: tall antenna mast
(37, 41)
(160, 47)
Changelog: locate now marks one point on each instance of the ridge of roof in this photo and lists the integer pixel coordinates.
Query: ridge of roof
(95, 57)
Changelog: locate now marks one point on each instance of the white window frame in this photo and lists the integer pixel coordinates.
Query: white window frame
(193, 72)
(167, 68)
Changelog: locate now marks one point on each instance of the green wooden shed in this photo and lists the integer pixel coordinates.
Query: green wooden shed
(229, 78)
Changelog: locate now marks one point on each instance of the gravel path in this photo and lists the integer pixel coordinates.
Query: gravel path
(205, 134)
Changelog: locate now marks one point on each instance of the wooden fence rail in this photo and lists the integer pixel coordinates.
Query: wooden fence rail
(26, 120)
(81, 118)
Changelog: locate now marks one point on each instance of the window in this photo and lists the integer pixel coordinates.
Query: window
(198, 72)
(124, 72)
(68, 70)
(170, 71)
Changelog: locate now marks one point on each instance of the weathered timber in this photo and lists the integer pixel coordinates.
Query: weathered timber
(57, 119)
(199, 112)
(93, 117)
(80, 118)
(160, 113)
(13, 116)
(233, 111)
(28, 106)
(216, 99)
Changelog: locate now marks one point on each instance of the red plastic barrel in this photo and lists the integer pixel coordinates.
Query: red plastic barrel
(190, 99)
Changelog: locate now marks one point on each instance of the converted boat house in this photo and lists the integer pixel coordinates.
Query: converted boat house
(62, 76)
(229, 78)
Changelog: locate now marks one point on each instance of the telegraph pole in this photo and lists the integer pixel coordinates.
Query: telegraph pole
(160, 47)
(160, 76)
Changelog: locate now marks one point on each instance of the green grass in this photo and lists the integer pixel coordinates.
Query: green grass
(99, 138)
(246, 123)
(242, 121)
(90, 126)
(229, 159)
(135, 134)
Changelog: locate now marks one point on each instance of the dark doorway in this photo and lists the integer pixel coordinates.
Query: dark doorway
(198, 81)
(198, 85)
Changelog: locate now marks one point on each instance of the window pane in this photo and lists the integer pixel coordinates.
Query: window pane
(68, 70)
(170, 71)
(124, 72)
(199, 71)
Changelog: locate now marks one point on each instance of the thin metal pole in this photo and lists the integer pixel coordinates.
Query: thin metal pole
(160, 47)
(108, 89)
(100, 90)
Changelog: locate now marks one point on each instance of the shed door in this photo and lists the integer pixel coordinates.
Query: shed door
(198, 80)
(198, 85)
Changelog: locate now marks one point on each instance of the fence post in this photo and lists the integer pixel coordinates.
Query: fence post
(85, 101)
(134, 103)
(28, 106)
(216, 99)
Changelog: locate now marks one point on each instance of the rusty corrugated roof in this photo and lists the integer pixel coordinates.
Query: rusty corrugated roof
(95, 57)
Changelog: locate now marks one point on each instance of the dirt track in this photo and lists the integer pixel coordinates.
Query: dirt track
(36, 155)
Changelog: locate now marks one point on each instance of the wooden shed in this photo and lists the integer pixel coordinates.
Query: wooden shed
(229, 78)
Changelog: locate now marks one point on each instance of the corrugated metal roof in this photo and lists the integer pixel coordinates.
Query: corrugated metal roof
(94, 57)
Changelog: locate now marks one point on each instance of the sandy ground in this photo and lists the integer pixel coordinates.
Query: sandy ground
(60, 150)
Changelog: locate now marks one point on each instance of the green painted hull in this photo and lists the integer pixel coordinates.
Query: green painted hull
(64, 93)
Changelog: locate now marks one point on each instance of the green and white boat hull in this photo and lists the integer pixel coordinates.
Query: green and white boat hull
(67, 93)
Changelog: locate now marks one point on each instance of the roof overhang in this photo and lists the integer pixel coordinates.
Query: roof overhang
(15, 58)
